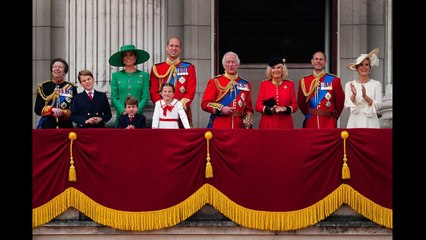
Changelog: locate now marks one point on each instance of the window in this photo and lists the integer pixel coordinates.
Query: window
(256, 30)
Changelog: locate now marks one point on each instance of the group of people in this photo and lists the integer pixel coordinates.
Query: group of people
(320, 96)
(171, 86)
(60, 106)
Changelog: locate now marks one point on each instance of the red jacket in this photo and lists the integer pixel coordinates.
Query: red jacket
(183, 77)
(220, 90)
(330, 106)
(284, 95)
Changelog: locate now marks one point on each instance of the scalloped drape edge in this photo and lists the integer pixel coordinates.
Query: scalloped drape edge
(207, 194)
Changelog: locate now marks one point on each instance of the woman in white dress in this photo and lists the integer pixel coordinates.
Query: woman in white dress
(168, 111)
(363, 96)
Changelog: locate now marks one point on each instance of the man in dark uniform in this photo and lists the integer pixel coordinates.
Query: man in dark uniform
(54, 98)
(180, 74)
(320, 97)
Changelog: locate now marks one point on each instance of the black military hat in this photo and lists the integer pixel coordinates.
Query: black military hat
(276, 59)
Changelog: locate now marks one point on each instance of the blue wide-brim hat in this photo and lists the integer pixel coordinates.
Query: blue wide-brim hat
(141, 56)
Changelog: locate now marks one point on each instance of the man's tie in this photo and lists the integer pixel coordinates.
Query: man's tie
(90, 96)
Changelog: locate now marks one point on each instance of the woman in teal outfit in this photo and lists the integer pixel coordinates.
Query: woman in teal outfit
(130, 81)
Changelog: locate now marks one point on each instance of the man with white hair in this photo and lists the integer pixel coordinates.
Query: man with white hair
(228, 97)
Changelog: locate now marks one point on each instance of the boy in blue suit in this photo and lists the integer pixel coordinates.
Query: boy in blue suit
(131, 119)
(90, 108)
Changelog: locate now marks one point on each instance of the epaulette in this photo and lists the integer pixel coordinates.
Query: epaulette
(75, 85)
(288, 80)
(217, 76)
(159, 63)
(46, 81)
(333, 75)
(307, 75)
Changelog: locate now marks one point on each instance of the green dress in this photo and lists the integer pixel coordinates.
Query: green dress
(125, 84)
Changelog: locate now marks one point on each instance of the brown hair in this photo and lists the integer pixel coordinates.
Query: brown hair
(131, 101)
(84, 73)
(66, 68)
(167, 84)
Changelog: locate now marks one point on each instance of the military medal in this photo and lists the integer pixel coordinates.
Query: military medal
(243, 96)
(182, 80)
(326, 86)
(328, 97)
(243, 87)
(182, 89)
(240, 103)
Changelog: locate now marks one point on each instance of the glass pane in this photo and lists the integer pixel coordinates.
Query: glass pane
(256, 30)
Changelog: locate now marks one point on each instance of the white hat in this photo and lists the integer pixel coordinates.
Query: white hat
(374, 60)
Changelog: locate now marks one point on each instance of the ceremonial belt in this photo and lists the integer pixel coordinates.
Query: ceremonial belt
(320, 112)
(236, 113)
(169, 119)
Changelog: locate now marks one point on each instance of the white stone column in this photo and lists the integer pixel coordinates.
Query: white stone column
(95, 29)
(386, 110)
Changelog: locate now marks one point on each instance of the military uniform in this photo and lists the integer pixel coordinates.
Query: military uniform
(51, 95)
(183, 77)
(125, 84)
(226, 90)
(321, 99)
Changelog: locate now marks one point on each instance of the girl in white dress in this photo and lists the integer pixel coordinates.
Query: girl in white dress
(168, 110)
(363, 96)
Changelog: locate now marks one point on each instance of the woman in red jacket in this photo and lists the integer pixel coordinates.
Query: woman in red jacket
(277, 97)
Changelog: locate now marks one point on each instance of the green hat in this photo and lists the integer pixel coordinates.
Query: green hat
(141, 56)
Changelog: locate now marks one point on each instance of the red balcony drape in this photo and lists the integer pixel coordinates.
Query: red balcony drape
(147, 179)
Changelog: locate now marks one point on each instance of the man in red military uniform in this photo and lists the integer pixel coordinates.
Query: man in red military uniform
(180, 74)
(228, 97)
(320, 97)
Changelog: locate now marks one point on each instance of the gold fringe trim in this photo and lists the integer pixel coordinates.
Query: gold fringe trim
(52, 209)
(293, 220)
(72, 175)
(263, 220)
(209, 168)
(346, 173)
(123, 220)
(364, 206)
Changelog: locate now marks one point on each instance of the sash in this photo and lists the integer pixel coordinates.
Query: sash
(63, 101)
(226, 100)
(313, 103)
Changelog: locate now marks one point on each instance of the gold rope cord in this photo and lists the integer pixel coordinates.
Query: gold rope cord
(209, 168)
(72, 176)
(346, 173)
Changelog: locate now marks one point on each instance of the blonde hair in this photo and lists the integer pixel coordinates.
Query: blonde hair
(284, 73)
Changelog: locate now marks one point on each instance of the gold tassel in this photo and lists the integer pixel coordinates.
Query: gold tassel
(346, 173)
(72, 175)
(209, 168)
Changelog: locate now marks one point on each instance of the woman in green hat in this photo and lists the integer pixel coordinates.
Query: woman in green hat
(130, 81)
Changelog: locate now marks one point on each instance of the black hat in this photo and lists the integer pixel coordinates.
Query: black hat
(275, 60)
